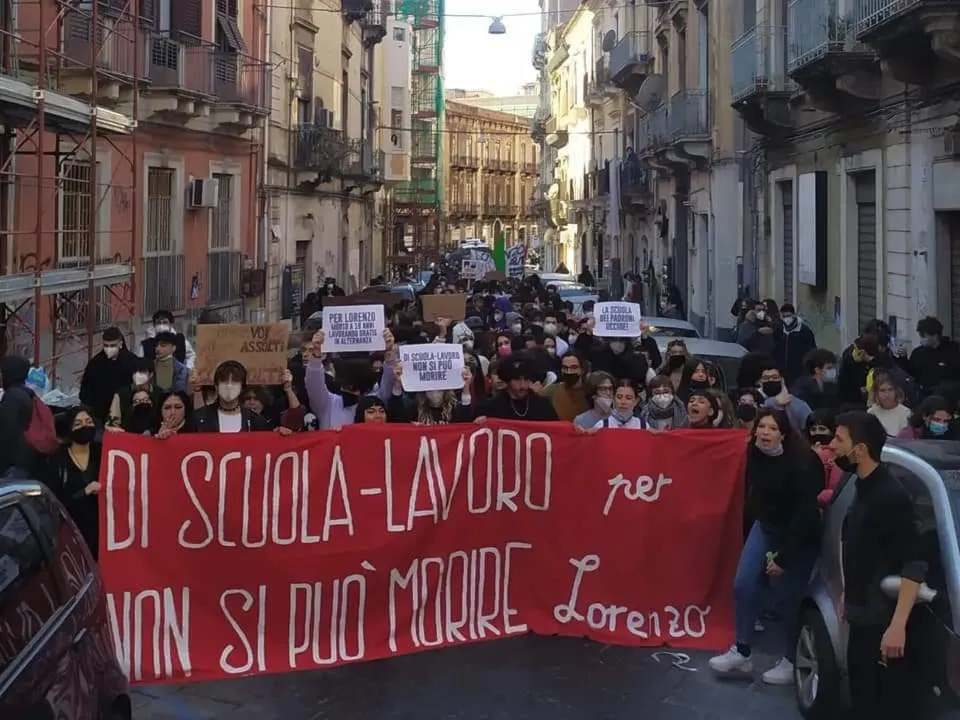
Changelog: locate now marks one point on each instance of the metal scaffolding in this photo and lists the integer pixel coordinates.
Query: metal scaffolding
(417, 203)
(68, 92)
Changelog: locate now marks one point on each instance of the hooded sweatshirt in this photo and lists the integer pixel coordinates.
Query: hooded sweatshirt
(16, 411)
(501, 305)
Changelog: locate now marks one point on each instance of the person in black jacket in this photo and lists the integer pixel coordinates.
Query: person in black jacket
(17, 458)
(163, 323)
(886, 652)
(226, 414)
(784, 476)
(937, 360)
(817, 387)
(795, 341)
(108, 371)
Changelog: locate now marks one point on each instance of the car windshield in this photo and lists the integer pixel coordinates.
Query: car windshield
(951, 480)
(681, 332)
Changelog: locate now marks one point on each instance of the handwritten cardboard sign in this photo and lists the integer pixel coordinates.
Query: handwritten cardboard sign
(453, 307)
(358, 328)
(261, 349)
(434, 366)
(617, 319)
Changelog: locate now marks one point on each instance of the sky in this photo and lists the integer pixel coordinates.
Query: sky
(476, 60)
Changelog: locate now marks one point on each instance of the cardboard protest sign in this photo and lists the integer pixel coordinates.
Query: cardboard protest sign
(435, 366)
(358, 328)
(617, 319)
(261, 349)
(453, 307)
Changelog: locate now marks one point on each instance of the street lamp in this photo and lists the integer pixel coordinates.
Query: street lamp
(497, 27)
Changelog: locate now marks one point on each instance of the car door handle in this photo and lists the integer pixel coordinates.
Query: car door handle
(78, 638)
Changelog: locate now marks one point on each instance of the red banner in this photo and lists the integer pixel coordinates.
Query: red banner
(230, 555)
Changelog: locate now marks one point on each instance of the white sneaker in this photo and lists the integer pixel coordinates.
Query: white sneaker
(731, 663)
(780, 674)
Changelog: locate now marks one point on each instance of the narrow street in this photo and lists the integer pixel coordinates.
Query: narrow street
(529, 678)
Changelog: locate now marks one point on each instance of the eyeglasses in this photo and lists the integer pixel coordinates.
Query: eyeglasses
(605, 390)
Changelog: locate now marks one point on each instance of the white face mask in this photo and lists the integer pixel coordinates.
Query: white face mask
(498, 316)
(140, 378)
(434, 397)
(162, 327)
(516, 328)
(229, 392)
(550, 328)
(467, 345)
(603, 404)
(551, 351)
(761, 315)
(663, 400)
(111, 351)
(618, 346)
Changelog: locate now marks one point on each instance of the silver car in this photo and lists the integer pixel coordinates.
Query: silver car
(930, 471)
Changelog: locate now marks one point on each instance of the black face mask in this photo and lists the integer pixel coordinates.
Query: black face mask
(845, 463)
(570, 379)
(83, 435)
(772, 388)
(675, 362)
(820, 438)
(699, 384)
(746, 412)
(142, 409)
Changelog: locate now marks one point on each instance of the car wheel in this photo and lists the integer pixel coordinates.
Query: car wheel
(818, 681)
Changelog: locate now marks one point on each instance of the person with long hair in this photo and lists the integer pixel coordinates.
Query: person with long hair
(932, 419)
(176, 415)
(673, 361)
(784, 477)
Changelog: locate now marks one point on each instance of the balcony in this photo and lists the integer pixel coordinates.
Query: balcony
(631, 61)
(117, 48)
(654, 132)
(689, 121)
(912, 37)
(558, 57)
(597, 84)
(835, 71)
(510, 166)
(362, 165)
(318, 153)
(530, 168)
(181, 77)
(557, 136)
(759, 86)
(539, 59)
(464, 209)
(373, 24)
(241, 84)
(636, 186)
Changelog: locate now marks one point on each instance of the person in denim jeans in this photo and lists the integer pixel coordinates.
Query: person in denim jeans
(784, 477)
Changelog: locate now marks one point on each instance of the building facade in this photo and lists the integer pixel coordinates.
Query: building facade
(855, 114)
(643, 159)
(154, 205)
(325, 162)
(524, 103)
(492, 170)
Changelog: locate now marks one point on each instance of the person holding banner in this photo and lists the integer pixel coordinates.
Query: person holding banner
(226, 414)
(625, 400)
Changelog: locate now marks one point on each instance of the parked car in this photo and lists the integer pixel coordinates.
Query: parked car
(57, 656)
(670, 327)
(930, 471)
(724, 355)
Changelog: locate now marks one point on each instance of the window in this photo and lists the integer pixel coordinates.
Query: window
(28, 593)
(222, 259)
(228, 36)
(76, 191)
(344, 101)
(163, 268)
(399, 34)
(396, 123)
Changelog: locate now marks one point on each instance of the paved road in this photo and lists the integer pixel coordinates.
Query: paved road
(528, 678)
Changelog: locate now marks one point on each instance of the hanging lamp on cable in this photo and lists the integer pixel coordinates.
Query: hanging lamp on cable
(497, 26)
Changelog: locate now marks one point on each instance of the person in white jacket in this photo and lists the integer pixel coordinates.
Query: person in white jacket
(163, 322)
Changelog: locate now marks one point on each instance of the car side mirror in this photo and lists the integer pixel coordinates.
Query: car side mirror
(890, 586)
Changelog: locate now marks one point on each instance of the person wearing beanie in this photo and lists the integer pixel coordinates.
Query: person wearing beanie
(518, 401)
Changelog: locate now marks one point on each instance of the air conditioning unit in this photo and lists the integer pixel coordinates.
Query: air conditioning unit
(204, 192)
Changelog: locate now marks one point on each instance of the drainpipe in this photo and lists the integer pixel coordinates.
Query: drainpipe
(263, 236)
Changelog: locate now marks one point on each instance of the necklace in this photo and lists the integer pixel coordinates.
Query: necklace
(526, 408)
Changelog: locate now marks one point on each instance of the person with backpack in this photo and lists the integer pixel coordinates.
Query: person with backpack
(26, 423)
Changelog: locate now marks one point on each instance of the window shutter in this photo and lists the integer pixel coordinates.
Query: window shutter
(146, 11)
(185, 19)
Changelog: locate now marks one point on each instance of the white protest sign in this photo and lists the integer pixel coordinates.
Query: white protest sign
(353, 328)
(471, 270)
(617, 319)
(436, 366)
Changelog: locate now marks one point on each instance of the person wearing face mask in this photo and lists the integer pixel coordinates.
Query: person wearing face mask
(121, 406)
(551, 329)
(757, 332)
(503, 345)
(775, 395)
(142, 417)
(335, 410)
(169, 374)
(622, 416)
(664, 410)
(936, 360)
(616, 356)
(515, 323)
(817, 387)
(227, 414)
(674, 362)
(568, 396)
(431, 407)
(783, 480)
(693, 377)
(932, 419)
(163, 323)
(462, 335)
(72, 474)
(598, 390)
(746, 406)
(887, 648)
(501, 306)
(821, 427)
(107, 372)
(794, 341)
